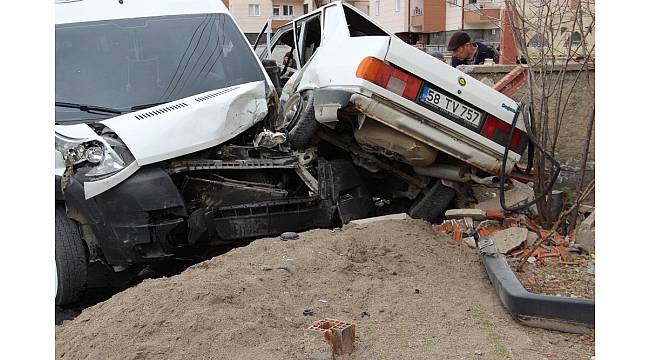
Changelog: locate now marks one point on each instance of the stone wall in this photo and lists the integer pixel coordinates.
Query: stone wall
(573, 130)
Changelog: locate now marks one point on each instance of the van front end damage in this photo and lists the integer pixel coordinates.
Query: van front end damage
(222, 197)
(133, 222)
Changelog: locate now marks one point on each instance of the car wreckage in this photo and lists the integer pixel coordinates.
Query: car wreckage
(172, 137)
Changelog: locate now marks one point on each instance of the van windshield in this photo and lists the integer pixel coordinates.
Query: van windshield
(123, 63)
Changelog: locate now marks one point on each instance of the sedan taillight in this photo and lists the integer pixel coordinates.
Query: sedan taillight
(497, 131)
(390, 78)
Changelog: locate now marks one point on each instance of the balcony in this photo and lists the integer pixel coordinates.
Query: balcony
(417, 19)
(482, 13)
(279, 20)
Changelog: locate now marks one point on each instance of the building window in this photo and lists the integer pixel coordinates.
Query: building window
(471, 1)
(494, 31)
(305, 8)
(276, 10)
(574, 40)
(377, 8)
(287, 10)
(397, 5)
(253, 9)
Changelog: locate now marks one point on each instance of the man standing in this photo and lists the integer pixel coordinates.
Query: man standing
(466, 52)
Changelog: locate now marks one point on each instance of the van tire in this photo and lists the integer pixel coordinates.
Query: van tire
(305, 126)
(433, 201)
(71, 259)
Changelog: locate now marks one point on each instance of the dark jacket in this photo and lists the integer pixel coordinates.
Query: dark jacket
(482, 52)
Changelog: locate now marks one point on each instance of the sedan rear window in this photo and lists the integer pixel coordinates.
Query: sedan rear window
(360, 26)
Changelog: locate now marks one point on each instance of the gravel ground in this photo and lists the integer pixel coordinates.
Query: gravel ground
(556, 278)
(427, 299)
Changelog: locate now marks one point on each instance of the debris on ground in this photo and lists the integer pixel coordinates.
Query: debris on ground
(227, 308)
(554, 264)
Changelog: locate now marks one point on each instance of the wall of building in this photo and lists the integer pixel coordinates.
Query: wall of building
(392, 14)
(253, 24)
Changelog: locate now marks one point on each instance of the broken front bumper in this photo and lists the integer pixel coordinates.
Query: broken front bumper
(134, 221)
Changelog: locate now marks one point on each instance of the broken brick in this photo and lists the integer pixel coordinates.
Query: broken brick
(457, 235)
(494, 215)
(445, 227)
(510, 222)
(563, 253)
(488, 230)
(339, 335)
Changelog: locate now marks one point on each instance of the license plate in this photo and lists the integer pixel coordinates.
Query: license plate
(451, 107)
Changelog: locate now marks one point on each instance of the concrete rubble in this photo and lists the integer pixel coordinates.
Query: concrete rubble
(518, 194)
(586, 233)
(509, 239)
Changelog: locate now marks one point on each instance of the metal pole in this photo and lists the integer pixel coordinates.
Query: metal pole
(462, 15)
(268, 37)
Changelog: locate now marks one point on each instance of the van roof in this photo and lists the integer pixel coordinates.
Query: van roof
(75, 11)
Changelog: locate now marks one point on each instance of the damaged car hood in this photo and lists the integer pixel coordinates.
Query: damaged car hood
(177, 128)
(191, 124)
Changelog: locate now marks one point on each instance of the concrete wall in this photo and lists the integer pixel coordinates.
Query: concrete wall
(573, 130)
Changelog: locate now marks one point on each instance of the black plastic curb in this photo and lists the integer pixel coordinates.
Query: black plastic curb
(549, 312)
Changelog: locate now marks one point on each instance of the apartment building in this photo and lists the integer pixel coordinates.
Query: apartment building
(433, 21)
(252, 15)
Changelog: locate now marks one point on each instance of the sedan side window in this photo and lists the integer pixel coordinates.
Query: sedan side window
(281, 50)
(311, 38)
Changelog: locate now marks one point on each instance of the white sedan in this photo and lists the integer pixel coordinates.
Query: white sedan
(354, 85)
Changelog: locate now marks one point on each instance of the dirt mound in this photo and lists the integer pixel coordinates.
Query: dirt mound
(426, 298)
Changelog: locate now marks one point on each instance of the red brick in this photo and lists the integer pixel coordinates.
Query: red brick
(339, 335)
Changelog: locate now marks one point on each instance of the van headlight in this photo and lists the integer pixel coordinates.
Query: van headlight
(105, 155)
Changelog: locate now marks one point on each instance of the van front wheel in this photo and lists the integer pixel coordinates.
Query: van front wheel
(70, 257)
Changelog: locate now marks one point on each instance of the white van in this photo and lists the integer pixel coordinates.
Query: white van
(165, 141)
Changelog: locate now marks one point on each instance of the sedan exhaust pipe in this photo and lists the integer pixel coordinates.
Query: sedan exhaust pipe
(455, 173)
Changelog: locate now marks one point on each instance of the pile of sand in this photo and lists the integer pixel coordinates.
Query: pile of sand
(427, 299)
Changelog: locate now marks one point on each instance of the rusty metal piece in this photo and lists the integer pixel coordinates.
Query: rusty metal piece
(339, 335)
